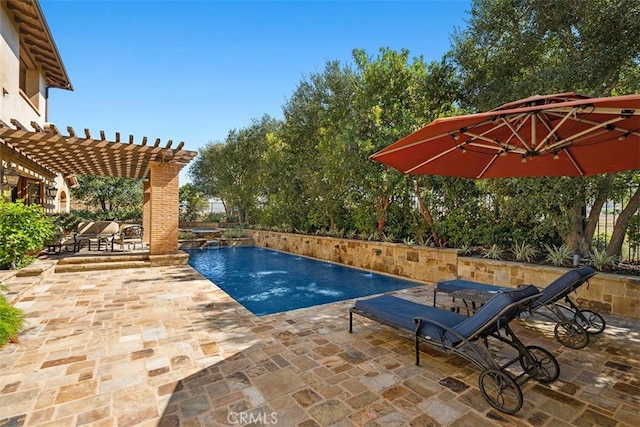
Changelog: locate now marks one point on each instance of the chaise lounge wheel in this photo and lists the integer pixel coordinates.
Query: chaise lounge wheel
(542, 365)
(590, 321)
(571, 335)
(501, 391)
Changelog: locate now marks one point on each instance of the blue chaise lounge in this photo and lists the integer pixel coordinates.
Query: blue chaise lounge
(573, 325)
(468, 337)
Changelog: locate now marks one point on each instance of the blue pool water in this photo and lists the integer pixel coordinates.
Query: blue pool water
(267, 281)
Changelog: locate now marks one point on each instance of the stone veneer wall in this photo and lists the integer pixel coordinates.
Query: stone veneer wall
(198, 224)
(605, 293)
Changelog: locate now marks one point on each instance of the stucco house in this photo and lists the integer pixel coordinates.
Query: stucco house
(31, 65)
(39, 163)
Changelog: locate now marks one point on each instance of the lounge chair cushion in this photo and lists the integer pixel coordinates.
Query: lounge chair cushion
(559, 288)
(563, 285)
(483, 317)
(401, 313)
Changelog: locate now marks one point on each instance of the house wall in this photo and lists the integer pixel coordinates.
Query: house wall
(13, 104)
(605, 293)
(16, 104)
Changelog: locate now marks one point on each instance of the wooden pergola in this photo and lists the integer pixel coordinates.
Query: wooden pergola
(44, 151)
(51, 151)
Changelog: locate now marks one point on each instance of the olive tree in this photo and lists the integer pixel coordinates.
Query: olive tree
(513, 49)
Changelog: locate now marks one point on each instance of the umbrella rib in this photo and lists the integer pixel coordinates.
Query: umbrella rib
(516, 132)
(487, 166)
(553, 131)
(389, 150)
(598, 110)
(495, 145)
(432, 159)
(580, 171)
(617, 128)
(569, 140)
(592, 135)
(499, 125)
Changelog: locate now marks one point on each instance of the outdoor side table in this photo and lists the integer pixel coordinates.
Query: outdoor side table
(472, 299)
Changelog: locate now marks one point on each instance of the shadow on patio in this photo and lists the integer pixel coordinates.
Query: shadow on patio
(164, 346)
(304, 368)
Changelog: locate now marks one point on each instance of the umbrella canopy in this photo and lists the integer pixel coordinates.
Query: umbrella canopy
(552, 135)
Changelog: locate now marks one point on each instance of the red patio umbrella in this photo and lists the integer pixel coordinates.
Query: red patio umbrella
(553, 135)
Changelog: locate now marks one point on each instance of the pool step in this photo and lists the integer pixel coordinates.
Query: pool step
(81, 264)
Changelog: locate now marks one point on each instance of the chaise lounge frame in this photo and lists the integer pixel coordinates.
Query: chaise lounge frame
(573, 325)
(444, 330)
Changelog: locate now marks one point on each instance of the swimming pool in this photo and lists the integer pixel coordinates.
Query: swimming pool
(267, 281)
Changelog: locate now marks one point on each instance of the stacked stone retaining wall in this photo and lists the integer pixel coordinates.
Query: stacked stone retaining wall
(606, 293)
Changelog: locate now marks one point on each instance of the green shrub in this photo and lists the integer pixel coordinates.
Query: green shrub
(234, 234)
(524, 252)
(424, 239)
(600, 241)
(11, 321)
(363, 236)
(186, 235)
(216, 217)
(351, 234)
(633, 233)
(466, 249)
(23, 229)
(408, 241)
(388, 238)
(558, 256)
(601, 260)
(67, 221)
(335, 233)
(493, 252)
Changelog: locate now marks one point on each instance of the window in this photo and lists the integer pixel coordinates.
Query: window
(33, 193)
(29, 82)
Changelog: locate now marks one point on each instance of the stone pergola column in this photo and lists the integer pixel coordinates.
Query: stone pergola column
(163, 212)
(146, 209)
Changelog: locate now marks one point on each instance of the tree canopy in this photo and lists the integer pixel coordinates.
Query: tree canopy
(311, 171)
(110, 197)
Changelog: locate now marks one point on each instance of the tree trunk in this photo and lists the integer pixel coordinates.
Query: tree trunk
(617, 237)
(424, 210)
(575, 240)
(594, 215)
(332, 223)
(382, 213)
(241, 216)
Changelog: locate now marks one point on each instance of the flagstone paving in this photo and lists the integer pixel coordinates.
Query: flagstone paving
(165, 347)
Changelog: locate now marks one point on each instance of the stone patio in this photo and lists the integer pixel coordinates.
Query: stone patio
(162, 346)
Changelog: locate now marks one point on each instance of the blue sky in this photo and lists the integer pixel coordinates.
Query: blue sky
(193, 70)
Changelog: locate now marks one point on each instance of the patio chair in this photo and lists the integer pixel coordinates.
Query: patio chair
(129, 234)
(573, 325)
(59, 241)
(468, 337)
(98, 232)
